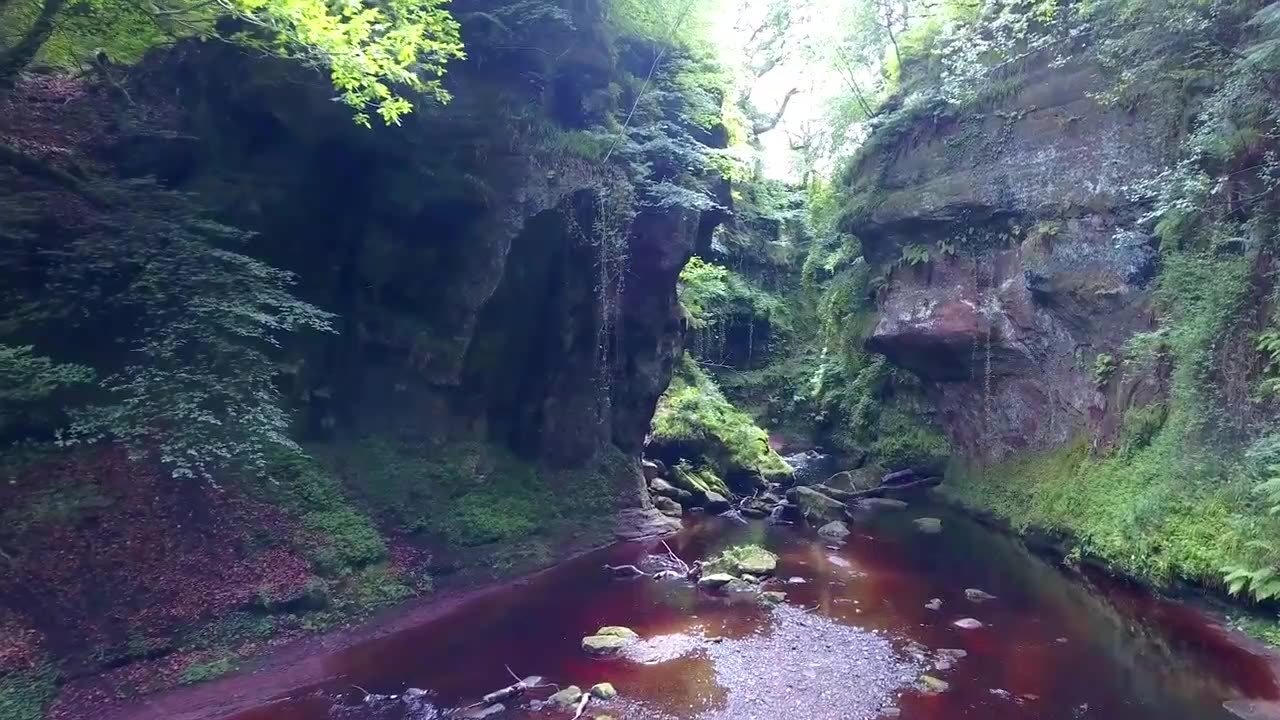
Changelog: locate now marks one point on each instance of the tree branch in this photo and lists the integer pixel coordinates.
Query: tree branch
(771, 123)
(20, 56)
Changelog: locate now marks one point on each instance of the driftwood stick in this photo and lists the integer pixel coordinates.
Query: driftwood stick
(625, 570)
(683, 565)
(513, 690)
(582, 705)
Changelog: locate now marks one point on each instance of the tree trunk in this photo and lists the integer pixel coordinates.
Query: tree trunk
(20, 56)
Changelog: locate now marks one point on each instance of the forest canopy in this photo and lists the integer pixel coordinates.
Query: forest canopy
(380, 56)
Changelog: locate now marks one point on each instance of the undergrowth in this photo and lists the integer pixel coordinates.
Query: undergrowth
(25, 695)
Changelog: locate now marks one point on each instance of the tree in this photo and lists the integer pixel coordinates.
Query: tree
(142, 293)
(378, 54)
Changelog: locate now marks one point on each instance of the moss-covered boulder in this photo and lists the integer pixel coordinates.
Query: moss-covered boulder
(698, 482)
(658, 486)
(603, 691)
(695, 421)
(568, 697)
(815, 506)
(609, 640)
(743, 560)
(715, 581)
(855, 480)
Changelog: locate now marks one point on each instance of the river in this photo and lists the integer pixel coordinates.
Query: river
(850, 640)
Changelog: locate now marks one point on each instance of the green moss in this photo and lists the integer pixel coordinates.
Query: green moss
(1152, 514)
(343, 539)
(474, 494)
(694, 415)
(25, 695)
(742, 559)
(698, 480)
(1264, 628)
(480, 518)
(208, 670)
(372, 588)
(336, 536)
(904, 440)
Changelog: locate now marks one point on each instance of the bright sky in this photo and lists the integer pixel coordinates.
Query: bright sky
(817, 83)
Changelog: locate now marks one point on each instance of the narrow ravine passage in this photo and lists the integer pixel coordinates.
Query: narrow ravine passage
(850, 641)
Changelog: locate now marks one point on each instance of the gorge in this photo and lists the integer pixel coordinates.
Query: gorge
(325, 325)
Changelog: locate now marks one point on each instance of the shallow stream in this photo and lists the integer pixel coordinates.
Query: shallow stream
(850, 641)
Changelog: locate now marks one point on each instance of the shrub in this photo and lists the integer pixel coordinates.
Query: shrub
(208, 670)
(24, 696)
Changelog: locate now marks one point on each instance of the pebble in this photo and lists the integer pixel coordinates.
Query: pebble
(967, 624)
(852, 684)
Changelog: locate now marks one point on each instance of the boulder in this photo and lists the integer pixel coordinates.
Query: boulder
(660, 487)
(772, 597)
(934, 604)
(743, 560)
(567, 697)
(603, 645)
(777, 516)
(637, 523)
(603, 691)
(716, 503)
(928, 525)
(668, 507)
(715, 581)
(608, 640)
(874, 504)
(976, 595)
(755, 560)
(698, 482)
(835, 529)
(854, 480)
(814, 506)
(931, 685)
(653, 469)
(967, 624)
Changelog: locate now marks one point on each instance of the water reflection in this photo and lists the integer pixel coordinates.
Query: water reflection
(1052, 646)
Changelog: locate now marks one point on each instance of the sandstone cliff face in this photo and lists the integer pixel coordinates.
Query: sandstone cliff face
(1037, 260)
(460, 251)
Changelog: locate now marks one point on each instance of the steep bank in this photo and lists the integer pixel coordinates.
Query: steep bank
(502, 273)
(1075, 263)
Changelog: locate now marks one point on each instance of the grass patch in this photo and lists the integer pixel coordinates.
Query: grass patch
(199, 672)
(474, 494)
(903, 440)
(337, 538)
(1147, 513)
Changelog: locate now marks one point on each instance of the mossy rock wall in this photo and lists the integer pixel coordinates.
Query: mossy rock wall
(1008, 253)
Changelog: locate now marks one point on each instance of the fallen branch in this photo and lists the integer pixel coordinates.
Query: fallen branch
(881, 491)
(684, 566)
(511, 691)
(625, 570)
(582, 705)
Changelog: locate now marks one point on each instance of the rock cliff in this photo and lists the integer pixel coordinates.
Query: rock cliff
(1010, 255)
